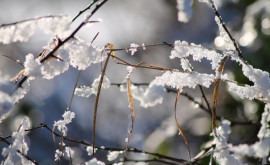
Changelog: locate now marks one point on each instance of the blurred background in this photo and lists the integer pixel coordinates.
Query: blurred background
(126, 22)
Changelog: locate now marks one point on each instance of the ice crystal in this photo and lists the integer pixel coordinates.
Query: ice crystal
(82, 54)
(133, 48)
(17, 32)
(149, 96)
(18, 143)
(179, 79)
(61, 124)
(94, 161)
(183, 49)
(32, 66)
(86, 91)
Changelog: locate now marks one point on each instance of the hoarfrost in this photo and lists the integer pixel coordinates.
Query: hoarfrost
(223, 34)
(149, 96)
(69, 152)
(184, 49)
(61, 124)
(261, 148)
(22, 31)
(112, 155)
(18, 143)
(185, 64)
(82, 54)
(261, 87)
(21, 91)
(55, 25)
(32, 66)
(58, 154)
(179, 79)
(133, 48)
(5, 105)
(94, 161)
(86, 91)
(17, 32)
(222, 153)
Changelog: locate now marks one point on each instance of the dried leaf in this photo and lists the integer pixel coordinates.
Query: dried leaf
(110, 46)
(130, 101)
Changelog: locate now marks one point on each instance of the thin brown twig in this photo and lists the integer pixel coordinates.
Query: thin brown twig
(133, 150)
(189, 97)
(61, 43)
(84, 10)
(226, 30)
(77, 80)
(178, 126)
(31, 19)
(97, 99)
(16, 60)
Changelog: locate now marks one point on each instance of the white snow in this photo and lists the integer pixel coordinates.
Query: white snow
(179, 79)
(86, 91)
(61, 124)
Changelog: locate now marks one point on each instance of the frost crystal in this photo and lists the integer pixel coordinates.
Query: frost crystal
(94, 161)
(143, 46)
(61, 124)
(89, 150)
(148, 97)
(183, 50)
(18, 32)
(19, 143)
(228, 42)
(86, 91)
(20, 92)
(184, 10)
(265, 121)
(5, 105)
(133, 48)
(185, 64)
(32, 66)
(222, 153)
(55, 25)
(261, 87)
(112, 155)
(22, 31)
(53, 67)
(58, 154)
(178, 79)
(82, 54)
(261, 148)
(5, 100)
(69, 152)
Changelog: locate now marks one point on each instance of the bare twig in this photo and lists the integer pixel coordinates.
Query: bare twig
(31, 19)
(61, 43)
(177, 124)
(97, 99)
(84, 10)
(132, 150)
(226, 30)
(70, 101)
